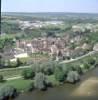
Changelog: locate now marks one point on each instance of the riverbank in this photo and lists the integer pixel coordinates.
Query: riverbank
(88, 85)
(86, 89)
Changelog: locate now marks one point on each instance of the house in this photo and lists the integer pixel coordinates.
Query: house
(86, 46)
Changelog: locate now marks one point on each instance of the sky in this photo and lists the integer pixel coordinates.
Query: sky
(81, 6)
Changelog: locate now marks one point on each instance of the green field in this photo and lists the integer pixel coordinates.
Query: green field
(12, 72)
(20, 84)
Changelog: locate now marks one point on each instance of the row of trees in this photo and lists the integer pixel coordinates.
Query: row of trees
(61, 72)
(10, 27)
(11, 64)
(6, 41)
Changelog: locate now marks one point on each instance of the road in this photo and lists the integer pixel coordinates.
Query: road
(78, 58)
(22, 67)
(69, 61)
(13, 78)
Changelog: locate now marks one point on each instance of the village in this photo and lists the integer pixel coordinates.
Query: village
(57, 48)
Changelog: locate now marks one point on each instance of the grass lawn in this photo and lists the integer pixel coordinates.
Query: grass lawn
(11, 72)
(20, 84)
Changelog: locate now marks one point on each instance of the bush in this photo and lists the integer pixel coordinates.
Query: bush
(73, 77)
(1, 78)
(7, 92)
(28, 74)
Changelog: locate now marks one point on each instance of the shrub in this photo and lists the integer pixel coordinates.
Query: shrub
(28, 74)
(73, 77)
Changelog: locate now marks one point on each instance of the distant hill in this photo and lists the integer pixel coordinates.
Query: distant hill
(50, 14)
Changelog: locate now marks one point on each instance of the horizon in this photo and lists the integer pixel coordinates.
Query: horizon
(57, 12)
(42, 6)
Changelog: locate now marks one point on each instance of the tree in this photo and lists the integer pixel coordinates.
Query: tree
(36, 67)
(18, 62)
(7, 92)
(6, 41)
(77, 68)
(40, 81)
(28, 74)
(1, 78)
(66, 68)
(73, 76)
(31, 87)
(86, 65)
(47, 68)
(1, 61)
(91, 61)
(59, 74)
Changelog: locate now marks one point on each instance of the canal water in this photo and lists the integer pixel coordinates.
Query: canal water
(86, 89)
